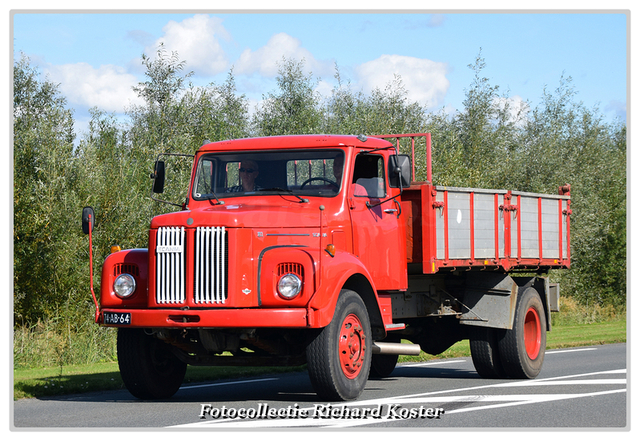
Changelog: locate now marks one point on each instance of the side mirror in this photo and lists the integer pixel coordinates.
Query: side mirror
(158, 177)
(88, 220)
(399, 171)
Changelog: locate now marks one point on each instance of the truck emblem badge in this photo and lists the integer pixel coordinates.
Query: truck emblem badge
(162, 249)
(259, 233)
(246, 291)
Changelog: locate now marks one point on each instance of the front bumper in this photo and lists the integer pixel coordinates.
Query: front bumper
(212, 318)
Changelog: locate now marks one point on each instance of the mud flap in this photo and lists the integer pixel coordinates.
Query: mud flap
(489, 300)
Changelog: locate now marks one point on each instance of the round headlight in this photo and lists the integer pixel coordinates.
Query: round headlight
(124, 285)
(289, 286)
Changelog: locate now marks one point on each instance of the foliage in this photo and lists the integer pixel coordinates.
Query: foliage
(491, 142)
(567, 143)
(383, 112)
(475, 147)
(294, 109)
(572, 312)
(45, 182)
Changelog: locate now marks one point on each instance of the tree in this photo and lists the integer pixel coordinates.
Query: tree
(43, 195)
(484, 135)
(345, 110)
(391, 110)
(212, 113)
(153, 127)
(294, 108)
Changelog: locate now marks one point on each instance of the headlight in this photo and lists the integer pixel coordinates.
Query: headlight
(124, 285)
(289, 286)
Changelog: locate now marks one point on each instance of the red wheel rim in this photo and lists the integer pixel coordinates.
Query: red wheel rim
(351, 346)
(532, 333)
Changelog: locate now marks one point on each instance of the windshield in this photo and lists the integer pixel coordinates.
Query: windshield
(299, 172)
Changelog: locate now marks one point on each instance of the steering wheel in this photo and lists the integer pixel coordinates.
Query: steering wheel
(328, 181)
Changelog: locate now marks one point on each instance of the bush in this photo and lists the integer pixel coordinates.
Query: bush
(49, 344)
(574, 313)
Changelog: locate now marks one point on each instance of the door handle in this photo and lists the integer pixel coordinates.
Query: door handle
(390, 210)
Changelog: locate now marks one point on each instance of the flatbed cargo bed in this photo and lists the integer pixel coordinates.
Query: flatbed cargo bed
(462, 228)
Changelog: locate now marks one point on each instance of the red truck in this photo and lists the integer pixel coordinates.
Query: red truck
(324, 250)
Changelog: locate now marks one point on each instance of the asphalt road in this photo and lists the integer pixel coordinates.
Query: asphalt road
(577, 388)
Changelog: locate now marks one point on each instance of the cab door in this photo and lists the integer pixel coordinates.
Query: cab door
(378, 229)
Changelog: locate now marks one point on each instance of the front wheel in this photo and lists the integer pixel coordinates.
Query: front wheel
(147, 366)
(339, 357)
(522, 347)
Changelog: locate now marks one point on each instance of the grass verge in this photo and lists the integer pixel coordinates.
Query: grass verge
(46, 382)
(29, 383)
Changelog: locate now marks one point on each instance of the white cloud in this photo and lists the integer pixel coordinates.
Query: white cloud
(516, 106)
(197, 41)
(265, 60)
(324, 88)
(108, 87)
(425, 80)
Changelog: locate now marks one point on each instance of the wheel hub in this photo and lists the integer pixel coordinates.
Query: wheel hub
(532, 333)
(351, 346)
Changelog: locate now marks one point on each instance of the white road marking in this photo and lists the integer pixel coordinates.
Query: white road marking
(509, 400)
(434, 398)
(429, 363)
(571, 382)
(227, 383)
(562, 351)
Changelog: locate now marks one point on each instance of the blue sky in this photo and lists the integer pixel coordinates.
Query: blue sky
(95, 57)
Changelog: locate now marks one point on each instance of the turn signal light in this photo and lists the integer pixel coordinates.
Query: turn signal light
(115, 248)
(331, 249)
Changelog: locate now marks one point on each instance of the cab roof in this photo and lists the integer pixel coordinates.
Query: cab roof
(295, 142)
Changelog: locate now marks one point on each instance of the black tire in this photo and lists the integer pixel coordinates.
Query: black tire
(485, 354)
(522, 347)
(339, 371)
(148, 367)
(382, 365)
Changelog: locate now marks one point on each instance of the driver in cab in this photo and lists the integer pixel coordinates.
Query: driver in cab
(248, 173)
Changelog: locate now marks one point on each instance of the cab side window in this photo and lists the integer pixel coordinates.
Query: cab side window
(368, 176)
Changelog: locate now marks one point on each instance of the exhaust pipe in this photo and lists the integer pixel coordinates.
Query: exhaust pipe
(385, 348)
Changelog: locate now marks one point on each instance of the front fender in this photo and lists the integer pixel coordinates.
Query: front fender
(342, 270)
(278, 260)
(134, 262)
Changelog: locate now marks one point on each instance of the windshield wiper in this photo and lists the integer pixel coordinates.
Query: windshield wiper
(287, 191)
(209, 196)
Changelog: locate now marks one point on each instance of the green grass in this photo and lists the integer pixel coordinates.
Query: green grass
(29, 383)
(561, 336)
(65, 380)
(564, 336)
(105, 376)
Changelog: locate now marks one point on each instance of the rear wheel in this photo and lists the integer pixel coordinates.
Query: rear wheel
(485, 354)
(339, 357)
(522, 347)
(148, 367)
(382, 365)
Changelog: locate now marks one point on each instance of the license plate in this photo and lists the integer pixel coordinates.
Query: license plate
(117, 318)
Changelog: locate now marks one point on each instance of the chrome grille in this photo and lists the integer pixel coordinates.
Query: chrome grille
(210, 265)
(170, 263)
